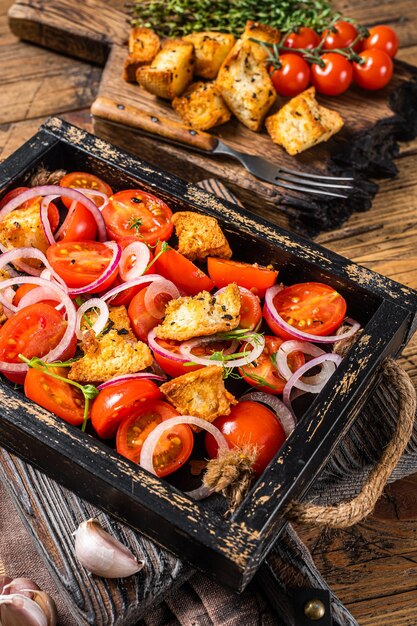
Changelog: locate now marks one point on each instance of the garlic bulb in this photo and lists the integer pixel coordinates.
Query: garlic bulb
(102, 554)
(4, 580)
(24, 586)
(48, 606)
(18, 610)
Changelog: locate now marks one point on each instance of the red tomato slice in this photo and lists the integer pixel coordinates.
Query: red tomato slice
(79, 263)
(84, 180)
(138, 214)
(313, 308)
(141, 321)
(250, 311)
(182, 272)
(33, 331)
(118, 401)
(59, 397)
(173, 448)
(249, 423)
(173, 367)
(262, 373)
(254, 277)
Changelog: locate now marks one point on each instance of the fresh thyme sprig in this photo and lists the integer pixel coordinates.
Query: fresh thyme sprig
(173, 18)
(164, 248)
(135, 223)
(89, 391)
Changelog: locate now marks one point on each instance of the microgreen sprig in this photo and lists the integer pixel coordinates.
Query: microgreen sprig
(164, 248)
(89, 391)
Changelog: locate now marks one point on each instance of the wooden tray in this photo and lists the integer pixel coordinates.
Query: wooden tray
(230, 550)
(366, 146)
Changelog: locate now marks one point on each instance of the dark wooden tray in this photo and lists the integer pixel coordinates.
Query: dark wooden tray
(230, 550)
(96, 31)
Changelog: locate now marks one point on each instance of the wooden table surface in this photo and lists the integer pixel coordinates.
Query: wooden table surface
(373, 566)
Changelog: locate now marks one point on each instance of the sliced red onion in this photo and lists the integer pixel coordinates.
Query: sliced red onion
(284, 415)
(46, 201)
(270, 294)
(151, 441)
(66, 192)
(62, 229)
(15, 254)
(7, 300)
(287, 347)
(114, 262)
(142, 280)
(327, 356)
(94, 193)
(55, 353)
(160, 287)
(158, 349)
(142, 255)
(37, 294)
(124, 377)
(258, 344)
(100, 322)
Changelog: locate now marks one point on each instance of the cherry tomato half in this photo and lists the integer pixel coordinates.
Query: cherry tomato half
(57, 396)
(80, 263)
(173, 448)
(376, 72)
(138, 214)
(340, 35)
(181, 271)
(250, 311)
(334, 77)
(262, 373)
(292, 77)
(118, 401)
(140, 319)
(173, 367)
(382, 38)
(33, 331)
(304, 37)
(254, 277)
(249, 423)
(313, 308)
(13, 193)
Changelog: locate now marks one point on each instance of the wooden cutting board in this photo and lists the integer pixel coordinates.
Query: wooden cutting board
(97, 32)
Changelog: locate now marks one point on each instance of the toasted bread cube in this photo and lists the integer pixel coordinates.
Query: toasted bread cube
(201, 106)
(200, 236)
(113, 352)
(203, 314)
(4, 275)
(130, 67)
(201, 393)
(211, 49)
(246, 85)
(144, 44)
(302, 123)
(171, 71)
(262, 32)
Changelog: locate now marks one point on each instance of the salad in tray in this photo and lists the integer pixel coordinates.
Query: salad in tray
(125, 318)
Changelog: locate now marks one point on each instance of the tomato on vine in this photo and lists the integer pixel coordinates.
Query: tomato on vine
(382, 38)
(341, 35)
(292, 77)
(334, 77)
(304, 37)
(375, 72)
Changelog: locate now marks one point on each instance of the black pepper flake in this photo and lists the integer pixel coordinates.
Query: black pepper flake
(108, 328)
(213, 300)
(136, 200)
(298, 114)
(17, 225)
(123, 331)
(223, 307)
(72, 261)
(227, 317)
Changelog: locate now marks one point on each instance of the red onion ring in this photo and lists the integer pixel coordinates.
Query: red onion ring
(148, 449)
(159, 287)
(142, 280)
(61, 230)
(100, 322)
(37, 295)
(30, 253)
(55, 353)
(142, 255)
(114, 262)
(66, 192)
(282, 412)
(305, 383)
(124, 377)
(186, 347)
(46, 201)
(158, 349)
(330, 356)
(270, 294)
(95, 194)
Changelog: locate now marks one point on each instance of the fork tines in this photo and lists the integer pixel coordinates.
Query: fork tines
(314, 183)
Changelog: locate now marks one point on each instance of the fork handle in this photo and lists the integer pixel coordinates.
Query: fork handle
(128, 115)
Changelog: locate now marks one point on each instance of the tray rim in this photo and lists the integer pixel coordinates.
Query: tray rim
(240, 544)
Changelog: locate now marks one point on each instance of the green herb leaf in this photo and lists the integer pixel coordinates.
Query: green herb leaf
(135, 223)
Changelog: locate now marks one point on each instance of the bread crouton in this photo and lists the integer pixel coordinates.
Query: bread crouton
(246, 86)
(171, 71)
(211, 49)
(203, 314)
(113, 352)
(201, 106)
(261, 32)
(200, 236)
(201, 393)
(4, 275)
(144, 44)
(302, 123)
(23, 228)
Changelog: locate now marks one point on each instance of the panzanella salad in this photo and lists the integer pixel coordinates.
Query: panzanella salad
(112, 326)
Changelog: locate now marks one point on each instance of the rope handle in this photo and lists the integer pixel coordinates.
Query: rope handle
(353, 511)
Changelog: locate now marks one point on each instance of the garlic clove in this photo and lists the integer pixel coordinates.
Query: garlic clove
(4, 580)
(102, 554)
(18, 610)
(47, 605)
(23, 586)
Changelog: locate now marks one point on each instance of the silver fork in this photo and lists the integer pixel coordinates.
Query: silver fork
(123, 115)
